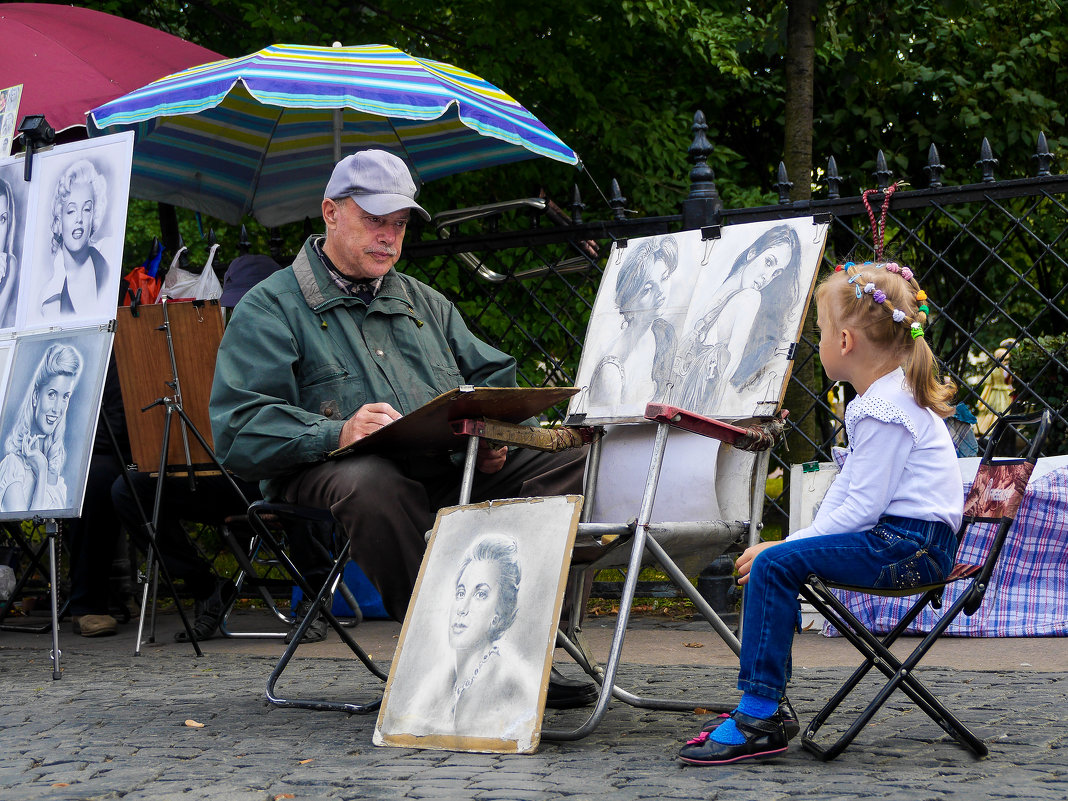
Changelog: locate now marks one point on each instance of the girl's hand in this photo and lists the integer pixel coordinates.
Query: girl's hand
(744, 562)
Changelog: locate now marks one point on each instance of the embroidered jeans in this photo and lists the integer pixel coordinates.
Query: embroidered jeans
(897, 553)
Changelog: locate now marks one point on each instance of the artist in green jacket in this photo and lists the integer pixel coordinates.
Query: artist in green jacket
(340, 344)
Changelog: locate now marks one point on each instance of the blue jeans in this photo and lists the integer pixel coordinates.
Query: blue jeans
(897, 553)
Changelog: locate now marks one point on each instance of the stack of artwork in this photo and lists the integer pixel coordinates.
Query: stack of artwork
(61, 242)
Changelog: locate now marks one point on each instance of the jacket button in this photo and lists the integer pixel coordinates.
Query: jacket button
(380, 352)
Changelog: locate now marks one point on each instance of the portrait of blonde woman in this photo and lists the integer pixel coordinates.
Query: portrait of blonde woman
(35, 453)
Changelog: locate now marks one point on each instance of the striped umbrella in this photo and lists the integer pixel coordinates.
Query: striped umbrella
(260, 134)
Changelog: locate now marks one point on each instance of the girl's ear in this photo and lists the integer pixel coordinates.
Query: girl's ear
(848, 340)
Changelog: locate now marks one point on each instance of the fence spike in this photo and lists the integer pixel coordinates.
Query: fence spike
(1043, 156)
(987, 161)
(784, 185)
(243, 242)
(882, 173)
(577, 206)
(703, 205)
(834, 181)
(617, 202)
(934, 168)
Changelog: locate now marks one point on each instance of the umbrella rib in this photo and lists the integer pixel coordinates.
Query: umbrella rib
(263, 158)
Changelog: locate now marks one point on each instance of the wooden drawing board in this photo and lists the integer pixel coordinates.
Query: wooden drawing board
(144, 367)
(428, 429)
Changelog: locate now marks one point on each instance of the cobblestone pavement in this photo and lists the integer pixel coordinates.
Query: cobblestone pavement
(114, 727)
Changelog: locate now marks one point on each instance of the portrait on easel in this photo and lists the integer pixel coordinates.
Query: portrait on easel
(14, 192)
(706, 324)
(79, 224)
(48, 421)
(474, 654)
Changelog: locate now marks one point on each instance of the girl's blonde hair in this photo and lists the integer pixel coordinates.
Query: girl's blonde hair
(884, 300)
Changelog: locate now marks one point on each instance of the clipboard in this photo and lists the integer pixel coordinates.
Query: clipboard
(428, 429)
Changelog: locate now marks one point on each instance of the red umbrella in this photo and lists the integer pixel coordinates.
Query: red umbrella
(71, 60)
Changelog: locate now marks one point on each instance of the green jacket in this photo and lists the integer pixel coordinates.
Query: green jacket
(299, 357)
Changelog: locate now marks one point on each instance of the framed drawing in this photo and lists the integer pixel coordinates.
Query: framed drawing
(473, 661)
(14, 192)
(78, 215)
(706, 325)
(48, 421)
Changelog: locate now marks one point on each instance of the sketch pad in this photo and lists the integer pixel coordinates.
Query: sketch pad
(428, 429)
(461, 679)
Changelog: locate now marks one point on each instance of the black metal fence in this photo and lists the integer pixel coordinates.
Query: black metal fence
(992, 256)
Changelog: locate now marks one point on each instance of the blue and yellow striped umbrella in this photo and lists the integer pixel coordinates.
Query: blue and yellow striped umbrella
(259, 135)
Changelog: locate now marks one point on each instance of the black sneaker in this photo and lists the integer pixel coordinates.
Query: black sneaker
(565, 693)
(208, 614)
(316, 632)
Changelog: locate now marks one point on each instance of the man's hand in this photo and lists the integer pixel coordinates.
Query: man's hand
(490, 459)
(744, 562)
(368, 419)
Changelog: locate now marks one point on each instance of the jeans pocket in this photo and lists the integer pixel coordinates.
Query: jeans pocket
(915, 570)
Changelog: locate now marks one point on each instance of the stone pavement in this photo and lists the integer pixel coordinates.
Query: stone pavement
(114, 727)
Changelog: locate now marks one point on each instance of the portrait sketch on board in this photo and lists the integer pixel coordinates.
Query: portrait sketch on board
(473, 658)
(80, 220)
(48, 421)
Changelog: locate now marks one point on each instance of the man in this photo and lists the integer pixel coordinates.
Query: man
(340, 344)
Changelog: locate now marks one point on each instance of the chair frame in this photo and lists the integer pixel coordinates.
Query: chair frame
(900, 673)
(260, 515)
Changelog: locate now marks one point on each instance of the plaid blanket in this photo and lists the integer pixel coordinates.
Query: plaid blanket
(1028, 593)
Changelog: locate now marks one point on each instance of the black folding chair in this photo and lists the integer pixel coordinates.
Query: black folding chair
(995, 497)
(267, 520)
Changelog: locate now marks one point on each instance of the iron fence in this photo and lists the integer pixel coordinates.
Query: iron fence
(992, 255)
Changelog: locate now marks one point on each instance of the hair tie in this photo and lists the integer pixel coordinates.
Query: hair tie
(869, 288)
(924, 309)
(906, 273)
(849, 264)
(917, 330)
(893, 266)
(898, 315)
(838, 268)
(921, 296)
(878, 296)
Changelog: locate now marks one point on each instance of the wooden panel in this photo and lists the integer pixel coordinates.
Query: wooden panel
(144, 365)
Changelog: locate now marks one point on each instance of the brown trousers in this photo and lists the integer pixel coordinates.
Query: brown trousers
(386, 506)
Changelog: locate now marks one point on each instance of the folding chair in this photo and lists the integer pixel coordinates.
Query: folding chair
(994, 498)
(269, 520)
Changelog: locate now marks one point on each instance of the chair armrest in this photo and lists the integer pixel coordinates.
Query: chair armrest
(550, 440)
(757, 437)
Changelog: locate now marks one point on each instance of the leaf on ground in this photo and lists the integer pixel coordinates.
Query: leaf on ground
(305, 761)
(284, 795)
(193, 724)
(693, 644)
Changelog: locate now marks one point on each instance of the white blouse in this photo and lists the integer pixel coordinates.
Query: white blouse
(900, 461)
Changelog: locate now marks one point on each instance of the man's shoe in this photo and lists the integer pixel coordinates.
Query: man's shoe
(565, 693)
(95, 625)
(316, 632)
(208, 614)
(763, 739)
(785, 713)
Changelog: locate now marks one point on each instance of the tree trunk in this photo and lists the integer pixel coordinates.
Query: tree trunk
(797, 155)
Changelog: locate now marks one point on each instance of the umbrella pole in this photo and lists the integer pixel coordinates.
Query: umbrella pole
(338, 126)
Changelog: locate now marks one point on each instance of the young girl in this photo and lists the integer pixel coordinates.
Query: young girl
(890, 517)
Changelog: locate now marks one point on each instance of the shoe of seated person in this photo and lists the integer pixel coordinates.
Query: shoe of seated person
(209, 613)
(95, 625)
(785, 713)
(565, 693)
(764, 739)
(316, 632)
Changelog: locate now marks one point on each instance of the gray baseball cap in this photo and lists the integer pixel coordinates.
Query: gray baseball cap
(378, 181)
